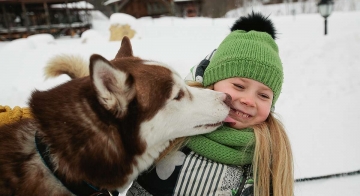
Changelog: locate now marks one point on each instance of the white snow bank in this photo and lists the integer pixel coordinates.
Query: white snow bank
(92, 35)
(122, 19)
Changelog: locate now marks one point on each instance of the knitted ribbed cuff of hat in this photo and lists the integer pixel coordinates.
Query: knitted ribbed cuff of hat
(225, 145)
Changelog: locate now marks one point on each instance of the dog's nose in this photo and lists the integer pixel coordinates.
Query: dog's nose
(227, 100)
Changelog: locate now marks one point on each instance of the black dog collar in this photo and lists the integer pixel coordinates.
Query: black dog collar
(81, 189)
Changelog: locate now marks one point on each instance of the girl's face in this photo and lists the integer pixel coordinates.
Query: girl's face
(251, 101)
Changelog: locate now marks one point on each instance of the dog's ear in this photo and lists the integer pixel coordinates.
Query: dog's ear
(125, 48)
(115, 88)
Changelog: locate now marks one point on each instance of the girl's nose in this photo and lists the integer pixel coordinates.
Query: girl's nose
(247, 100)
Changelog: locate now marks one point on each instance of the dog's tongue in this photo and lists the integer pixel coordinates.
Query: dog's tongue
(230, 120)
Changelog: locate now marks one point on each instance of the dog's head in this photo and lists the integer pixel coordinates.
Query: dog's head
(121, 117)
(156, 96)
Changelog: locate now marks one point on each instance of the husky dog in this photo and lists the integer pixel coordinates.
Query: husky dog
(94, 135)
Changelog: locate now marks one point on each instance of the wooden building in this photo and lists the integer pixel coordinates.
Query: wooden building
(187, 8)
(156, 8)
(141, 8)
(21, 18)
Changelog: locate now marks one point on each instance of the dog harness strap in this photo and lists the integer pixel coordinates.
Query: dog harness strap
(81, 189)
(43, 151)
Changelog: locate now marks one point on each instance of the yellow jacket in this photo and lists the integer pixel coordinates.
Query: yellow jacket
(8, 115)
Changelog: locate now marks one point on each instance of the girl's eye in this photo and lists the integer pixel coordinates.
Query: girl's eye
(239, 86)
(179, 95)
(265, 96)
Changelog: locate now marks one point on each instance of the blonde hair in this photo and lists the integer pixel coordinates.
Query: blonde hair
(272, 163)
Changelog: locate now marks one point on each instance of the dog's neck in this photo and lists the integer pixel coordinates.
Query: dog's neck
(86, 142)
(82, 188)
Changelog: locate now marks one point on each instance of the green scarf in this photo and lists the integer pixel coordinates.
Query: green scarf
(225, 145)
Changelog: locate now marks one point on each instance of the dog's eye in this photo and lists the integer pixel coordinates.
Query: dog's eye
(179, 95)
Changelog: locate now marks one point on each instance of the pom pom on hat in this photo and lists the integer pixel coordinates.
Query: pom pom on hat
(249, 51)
(255, 22)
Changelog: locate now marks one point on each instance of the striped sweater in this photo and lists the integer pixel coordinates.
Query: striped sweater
(185, 173)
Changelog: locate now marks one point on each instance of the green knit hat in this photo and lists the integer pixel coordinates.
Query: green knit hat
(248, 54)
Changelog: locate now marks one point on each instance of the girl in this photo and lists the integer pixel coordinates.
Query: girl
(251, 153)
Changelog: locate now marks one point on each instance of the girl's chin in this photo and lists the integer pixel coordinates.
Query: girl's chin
(231, 122)
(237, 125)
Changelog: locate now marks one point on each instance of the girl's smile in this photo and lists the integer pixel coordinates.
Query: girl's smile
(251, 101)
(239, 114)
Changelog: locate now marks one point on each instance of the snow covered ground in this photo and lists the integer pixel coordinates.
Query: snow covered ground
(319, 103)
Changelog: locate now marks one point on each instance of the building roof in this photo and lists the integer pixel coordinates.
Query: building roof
(37, 1)
(110, 2)
(77, 5)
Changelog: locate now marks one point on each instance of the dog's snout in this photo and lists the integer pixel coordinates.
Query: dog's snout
(227, 100)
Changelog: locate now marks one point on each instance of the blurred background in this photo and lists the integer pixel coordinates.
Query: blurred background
(22, 18)
(319, 44)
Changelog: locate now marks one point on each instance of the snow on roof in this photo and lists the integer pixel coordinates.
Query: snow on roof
(122, 19)
(110, 2)
(78, 5)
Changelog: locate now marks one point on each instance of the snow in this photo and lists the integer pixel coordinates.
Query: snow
(346, 186)
(319, 103)
(291, 7)
(74, 5)
(92, 35)
(122, 19)
(108, 2)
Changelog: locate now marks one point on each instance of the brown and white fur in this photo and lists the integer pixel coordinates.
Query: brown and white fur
(105, 128)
